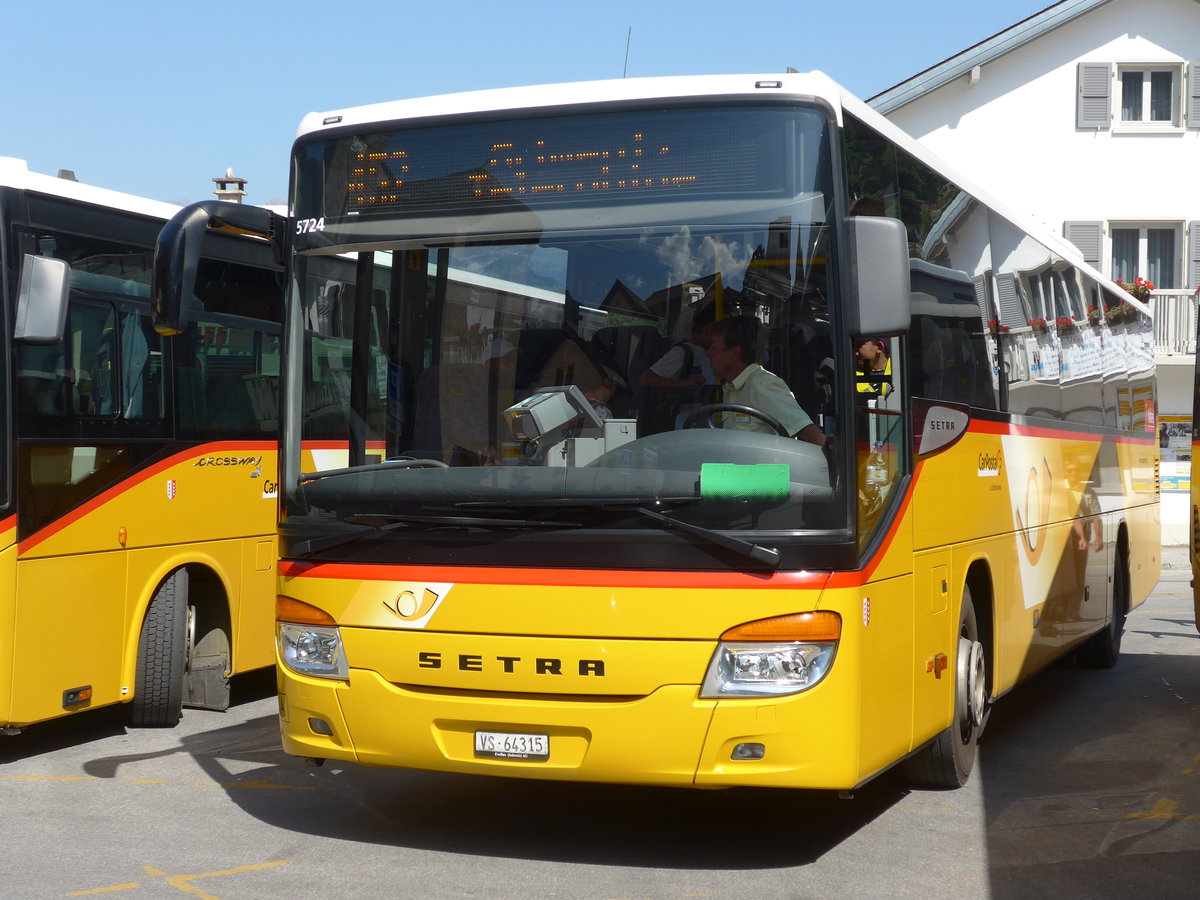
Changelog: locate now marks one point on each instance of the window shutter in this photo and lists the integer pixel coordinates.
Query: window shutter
(1193, 95)
(1193, 255)
(1092, 103)
(1012, 314)
(1087, 238)
(981, 297)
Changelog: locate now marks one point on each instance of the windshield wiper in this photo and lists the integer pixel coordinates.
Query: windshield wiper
(404, 462)
(383, 523)
(768, 556)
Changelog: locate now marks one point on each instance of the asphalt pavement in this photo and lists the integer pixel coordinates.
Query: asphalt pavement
(1088, 785)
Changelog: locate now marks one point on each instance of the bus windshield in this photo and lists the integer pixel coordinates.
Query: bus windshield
(566, 322)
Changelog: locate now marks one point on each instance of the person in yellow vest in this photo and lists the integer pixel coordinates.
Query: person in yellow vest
(873, 368)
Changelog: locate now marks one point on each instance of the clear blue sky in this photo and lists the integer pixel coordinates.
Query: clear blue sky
(156, 98)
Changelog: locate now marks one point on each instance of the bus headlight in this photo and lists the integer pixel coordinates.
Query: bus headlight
(752, 670)
(312, 650)
(773, 657)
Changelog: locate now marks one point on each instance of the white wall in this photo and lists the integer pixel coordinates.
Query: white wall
(1014, 131)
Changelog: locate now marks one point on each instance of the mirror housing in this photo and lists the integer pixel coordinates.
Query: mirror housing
(42, 300)
(179, 248)
(880, 284)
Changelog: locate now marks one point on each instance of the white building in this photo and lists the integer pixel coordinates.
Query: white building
(1086, 116)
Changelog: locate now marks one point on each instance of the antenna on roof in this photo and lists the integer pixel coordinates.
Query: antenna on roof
(67, 174)
(628, 38)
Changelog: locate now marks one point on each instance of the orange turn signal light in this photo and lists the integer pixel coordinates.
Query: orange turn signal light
(810, 626)
(289, 609)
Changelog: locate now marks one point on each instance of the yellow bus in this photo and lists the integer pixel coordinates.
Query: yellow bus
(139, 489)
(491, 563)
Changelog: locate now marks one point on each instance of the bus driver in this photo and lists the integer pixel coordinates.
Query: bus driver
(732, 353)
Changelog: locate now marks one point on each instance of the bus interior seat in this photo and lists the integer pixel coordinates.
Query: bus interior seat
(809, 365)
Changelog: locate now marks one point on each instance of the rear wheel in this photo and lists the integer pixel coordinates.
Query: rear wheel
(162, 654)
(948, 760)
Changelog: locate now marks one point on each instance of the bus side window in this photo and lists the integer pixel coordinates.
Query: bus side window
(141, 368)
(879, 415)
(92, 331)
(43, 385)
(227, 381)
(951, 362)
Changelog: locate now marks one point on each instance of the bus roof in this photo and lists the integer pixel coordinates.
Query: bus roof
(800, 85)
(15, 173)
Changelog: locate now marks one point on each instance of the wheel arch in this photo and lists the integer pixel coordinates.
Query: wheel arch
(208, 590)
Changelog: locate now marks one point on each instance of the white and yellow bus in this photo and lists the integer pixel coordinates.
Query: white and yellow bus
(138, 482)
(492, 562)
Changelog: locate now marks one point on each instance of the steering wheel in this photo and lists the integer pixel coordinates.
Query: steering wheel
(705, 413)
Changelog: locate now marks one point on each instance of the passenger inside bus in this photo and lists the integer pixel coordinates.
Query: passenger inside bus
(678, 383)
(873, 368)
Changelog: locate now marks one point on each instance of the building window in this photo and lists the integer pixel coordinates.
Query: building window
(1146, 251)
(1150, 96)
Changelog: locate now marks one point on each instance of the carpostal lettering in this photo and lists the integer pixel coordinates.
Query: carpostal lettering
(229, 461)
(469, 662)
(989, 464)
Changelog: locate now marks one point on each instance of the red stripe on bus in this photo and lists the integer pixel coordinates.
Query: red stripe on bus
(136, 478)
(550, 577)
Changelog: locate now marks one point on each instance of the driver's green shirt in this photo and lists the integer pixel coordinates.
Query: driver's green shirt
(767, 392)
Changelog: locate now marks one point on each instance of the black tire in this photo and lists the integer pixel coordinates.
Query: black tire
(162, 656)
(947, 761)
(1103, 649)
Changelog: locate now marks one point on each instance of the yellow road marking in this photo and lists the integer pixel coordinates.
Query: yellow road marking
(105, 890)
(1163, 809)
(181, 882)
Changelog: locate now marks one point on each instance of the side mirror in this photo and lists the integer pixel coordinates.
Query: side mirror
(179, 248)
(881, 286)
(42, 300)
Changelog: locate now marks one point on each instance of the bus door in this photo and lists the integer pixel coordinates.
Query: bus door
(80, 404)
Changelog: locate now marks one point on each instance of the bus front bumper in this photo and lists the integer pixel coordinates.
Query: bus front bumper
(668, 738)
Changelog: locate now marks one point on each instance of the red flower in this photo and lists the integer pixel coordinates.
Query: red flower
(1141, 288)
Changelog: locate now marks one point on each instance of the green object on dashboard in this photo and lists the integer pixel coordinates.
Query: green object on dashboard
(730, 481)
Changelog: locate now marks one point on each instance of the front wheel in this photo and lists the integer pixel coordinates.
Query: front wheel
(948, 760)
(162, 655)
